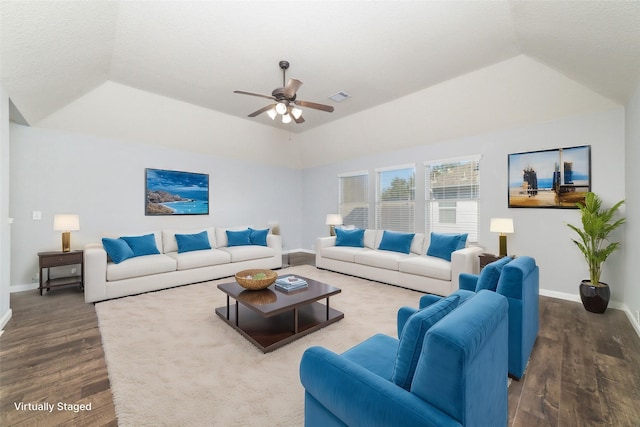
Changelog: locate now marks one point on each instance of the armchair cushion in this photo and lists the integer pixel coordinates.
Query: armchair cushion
(490, 274)
(412, 337)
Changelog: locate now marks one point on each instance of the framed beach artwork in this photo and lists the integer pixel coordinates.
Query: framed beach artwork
(557, 178)
(170, 192)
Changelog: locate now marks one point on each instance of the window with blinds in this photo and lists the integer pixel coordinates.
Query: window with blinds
(354, 199)
(395, 198)
(452, 196)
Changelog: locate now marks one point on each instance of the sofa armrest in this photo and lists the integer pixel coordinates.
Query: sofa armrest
(468, 281)
(95, 273)
(323, 242)
(464, 261)
(359, 397)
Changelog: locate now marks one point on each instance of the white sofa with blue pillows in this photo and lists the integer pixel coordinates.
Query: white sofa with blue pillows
(134, 264)
(427, 263)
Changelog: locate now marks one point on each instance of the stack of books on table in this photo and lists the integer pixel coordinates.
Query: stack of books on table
(291, 283)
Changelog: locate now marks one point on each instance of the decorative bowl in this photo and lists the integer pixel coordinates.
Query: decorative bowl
(246, 280)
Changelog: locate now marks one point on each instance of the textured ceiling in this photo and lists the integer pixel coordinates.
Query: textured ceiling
(199, 52)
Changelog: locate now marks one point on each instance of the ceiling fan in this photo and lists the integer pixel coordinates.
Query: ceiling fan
(286, 103)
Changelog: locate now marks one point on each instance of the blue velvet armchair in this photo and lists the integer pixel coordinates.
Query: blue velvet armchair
(449, 368)
(519, 281)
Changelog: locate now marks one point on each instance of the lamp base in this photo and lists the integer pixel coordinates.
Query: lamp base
(66, 241)
(332, 230)
(503, 245)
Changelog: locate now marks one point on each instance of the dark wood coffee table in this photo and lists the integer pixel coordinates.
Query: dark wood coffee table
(271, 318)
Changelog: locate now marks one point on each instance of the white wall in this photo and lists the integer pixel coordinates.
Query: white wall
(632, 246)
(540, 233)
(5, 229)
(102, 180)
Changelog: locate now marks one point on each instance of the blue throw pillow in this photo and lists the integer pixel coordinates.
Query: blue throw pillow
(258, 237)
(193, 242)
(239, 238)
(117, 249)
(397, 242)
(443, 245)
(353, 238)
(412, 337)
(490, 274)
(142, 245)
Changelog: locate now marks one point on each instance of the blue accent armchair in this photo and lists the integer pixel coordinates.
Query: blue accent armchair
(460, 375)
(519, 281)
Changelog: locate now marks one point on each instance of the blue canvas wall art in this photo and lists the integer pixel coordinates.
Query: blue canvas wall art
(170, 192)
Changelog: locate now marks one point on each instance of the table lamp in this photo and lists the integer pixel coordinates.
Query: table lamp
(66, 223)
(332, 221)
(502, 226)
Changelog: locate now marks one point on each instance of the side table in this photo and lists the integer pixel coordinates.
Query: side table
(58, 259)
(486, 258)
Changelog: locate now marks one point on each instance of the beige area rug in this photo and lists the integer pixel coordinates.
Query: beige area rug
(173, 362)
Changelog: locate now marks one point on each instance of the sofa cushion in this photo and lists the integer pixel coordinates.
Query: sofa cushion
(343, 253)
(353, 238)
(238, 238)
(417, 244)
(490, 274)
(197, 259)
(397, 242)
(140, 266)
(246, 253)
(388, 260)
(377, 354)
(142, 245)
(443, 245)
(170, 244)
(221, 235)
(258, 237)
(426, 266)
(370, 238)
(193, 242)
(412, 337)
(117, 249)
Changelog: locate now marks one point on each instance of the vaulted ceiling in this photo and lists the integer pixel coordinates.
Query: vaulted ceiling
(54, 52)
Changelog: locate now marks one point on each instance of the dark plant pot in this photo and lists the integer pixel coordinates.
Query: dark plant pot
(594, 298)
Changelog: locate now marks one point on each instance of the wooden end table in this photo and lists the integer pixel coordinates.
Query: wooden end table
(58, 259)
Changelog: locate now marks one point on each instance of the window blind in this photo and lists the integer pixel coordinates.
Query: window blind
(354, 199)
(452, 196)
(395, 199)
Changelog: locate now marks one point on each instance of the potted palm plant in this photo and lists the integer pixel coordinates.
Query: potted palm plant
(593, 242)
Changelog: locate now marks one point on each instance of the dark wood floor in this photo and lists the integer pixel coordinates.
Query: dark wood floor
(584, 371)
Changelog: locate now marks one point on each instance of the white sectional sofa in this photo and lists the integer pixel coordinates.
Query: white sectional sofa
(105, 279)
(414, 270)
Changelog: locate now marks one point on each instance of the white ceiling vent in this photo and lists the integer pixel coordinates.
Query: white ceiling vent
(340, 96)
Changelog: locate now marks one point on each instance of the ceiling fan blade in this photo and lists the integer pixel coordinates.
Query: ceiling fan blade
(315, 106)
(299, 119)
(292, 87)
(242, 92)
(262, 110)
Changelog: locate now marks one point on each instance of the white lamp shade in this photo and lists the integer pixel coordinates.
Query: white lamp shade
(334, 219)
(66, 222)
(501, 225)
(281, 108)
(296, 112)
(286, 118)
(272, 114)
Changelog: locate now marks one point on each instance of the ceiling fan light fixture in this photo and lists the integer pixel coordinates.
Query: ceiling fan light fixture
(272, 113)
(281, 108)
(296, 112)
(286, 118)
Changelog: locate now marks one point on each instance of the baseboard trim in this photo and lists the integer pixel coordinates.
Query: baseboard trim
(24, 287)
(5, 319)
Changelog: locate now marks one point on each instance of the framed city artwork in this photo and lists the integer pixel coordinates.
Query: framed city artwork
(556, 178)
(170, 192)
